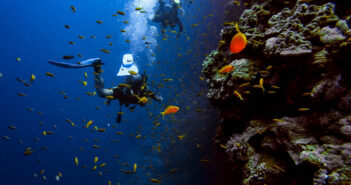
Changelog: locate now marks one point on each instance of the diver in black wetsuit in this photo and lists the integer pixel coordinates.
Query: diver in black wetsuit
(168, 16)
(131, 92)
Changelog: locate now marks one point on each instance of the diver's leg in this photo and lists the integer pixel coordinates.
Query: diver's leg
(85, 63)
(99, 83)
(159, 12)
(180, 28)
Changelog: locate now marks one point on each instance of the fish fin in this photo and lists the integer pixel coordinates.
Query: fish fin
(237, 28)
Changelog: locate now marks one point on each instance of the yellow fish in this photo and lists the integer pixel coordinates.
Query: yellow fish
(135, 167)
(143, 100)
(47, 133)
(49, 74)
(101, 130)
(132, 72)
(76, 161)
(181, 137)
(303, 109)
(94, 168)
(21, 94)
(138, 8)
(85, 74)
(237, 94)
(102, 165)
(96, 159)
(155, 180)
(85, 83)
(89, 123)
(261, 84)
(120, 12)
(32, 78)
(73, 8)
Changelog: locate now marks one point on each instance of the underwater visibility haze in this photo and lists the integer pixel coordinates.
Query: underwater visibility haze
(175, 92)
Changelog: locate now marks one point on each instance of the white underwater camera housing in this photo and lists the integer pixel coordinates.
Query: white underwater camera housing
(128, 64)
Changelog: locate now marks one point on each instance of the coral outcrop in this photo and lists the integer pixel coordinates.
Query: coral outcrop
(293, 122)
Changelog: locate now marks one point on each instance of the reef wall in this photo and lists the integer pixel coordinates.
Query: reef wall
(293, 123)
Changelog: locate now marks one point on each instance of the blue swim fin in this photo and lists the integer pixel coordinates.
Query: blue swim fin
(85, 63)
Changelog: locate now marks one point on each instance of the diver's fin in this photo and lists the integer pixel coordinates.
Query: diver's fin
(119, 117)
(108, 102)
(91, 62)
(85, 63)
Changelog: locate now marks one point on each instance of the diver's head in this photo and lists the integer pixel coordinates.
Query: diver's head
(128, 64)
(176, 1)
(167, 9)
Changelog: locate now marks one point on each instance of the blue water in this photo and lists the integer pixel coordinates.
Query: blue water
(35, 32)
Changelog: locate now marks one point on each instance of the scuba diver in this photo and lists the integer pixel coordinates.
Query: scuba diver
(133, 92)
(167, 15)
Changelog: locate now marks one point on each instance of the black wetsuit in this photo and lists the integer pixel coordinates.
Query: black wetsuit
(138, 89)
(168, 17)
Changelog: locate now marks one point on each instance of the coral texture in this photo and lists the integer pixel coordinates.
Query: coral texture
(292, 123)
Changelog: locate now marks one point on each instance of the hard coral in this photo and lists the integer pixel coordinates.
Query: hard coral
(293, 124)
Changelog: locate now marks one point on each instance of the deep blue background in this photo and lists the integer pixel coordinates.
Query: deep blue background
(34, 31)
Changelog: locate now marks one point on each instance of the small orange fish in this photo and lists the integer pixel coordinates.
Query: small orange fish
(238, 42)
(226, 69)
(170, 110)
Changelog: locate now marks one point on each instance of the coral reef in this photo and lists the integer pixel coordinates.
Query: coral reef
(292, 123)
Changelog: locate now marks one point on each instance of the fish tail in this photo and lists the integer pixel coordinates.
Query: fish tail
(163, 115)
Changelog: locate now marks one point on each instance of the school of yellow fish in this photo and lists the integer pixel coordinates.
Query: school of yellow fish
(161, 131)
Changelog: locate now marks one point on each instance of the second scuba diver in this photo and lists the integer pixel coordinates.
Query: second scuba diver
(167, 15)
(134, 91)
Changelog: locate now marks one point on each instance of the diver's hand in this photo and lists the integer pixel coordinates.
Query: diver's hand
(158, 98)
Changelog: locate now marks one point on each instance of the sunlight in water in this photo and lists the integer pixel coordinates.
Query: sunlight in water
(139, 31)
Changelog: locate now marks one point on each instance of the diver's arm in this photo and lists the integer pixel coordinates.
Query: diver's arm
(99, 84)
(152, 95)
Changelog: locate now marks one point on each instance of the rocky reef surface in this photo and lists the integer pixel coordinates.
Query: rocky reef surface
(293, 122)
